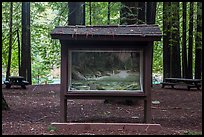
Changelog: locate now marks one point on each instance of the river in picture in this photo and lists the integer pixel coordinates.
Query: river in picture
(105, 71)
(119, 81)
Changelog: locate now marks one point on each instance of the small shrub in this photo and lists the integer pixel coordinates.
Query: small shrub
(51, 128)
(192, 133)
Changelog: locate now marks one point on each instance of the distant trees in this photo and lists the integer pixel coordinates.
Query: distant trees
(46, 15)
(24, 60)
(138, 12)
(4, 103)
(173, 64)
(171, 40)
(132, 13)
(10, 41)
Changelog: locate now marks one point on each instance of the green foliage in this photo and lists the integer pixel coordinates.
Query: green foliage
(157, 66)
(45, 52)
(99, 15)
(51, 128)
(5, 35)
(192, 133)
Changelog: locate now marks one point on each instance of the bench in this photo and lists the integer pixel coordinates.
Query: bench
(190, 83)
(16, 80)
(167, 83)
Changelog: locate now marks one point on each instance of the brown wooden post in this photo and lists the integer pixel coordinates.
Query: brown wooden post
(64, 82)
(147, 83)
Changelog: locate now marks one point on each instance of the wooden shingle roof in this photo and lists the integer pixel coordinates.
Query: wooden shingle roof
(120, 32)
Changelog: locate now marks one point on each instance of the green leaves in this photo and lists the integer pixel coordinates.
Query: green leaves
(46, 15)
(99, 13)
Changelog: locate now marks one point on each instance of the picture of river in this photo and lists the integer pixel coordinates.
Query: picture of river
(106, 70)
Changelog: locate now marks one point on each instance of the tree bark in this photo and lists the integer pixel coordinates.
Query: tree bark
(151, 12)
(184, 54)
(25, 49)
(29, 76)
(190, 42)
(198, 43)
(76, 14)
(141, 13)
(19, 54)
(176, 61)
(10, 42)
(166, 37)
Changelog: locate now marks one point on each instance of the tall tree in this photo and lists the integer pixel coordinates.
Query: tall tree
(184, 54)
(26, 47)
(10, 42)
(198, 43)
(76, 13)
(90, 13)
(190, 42)
(175, 41)
(4, 103)
(19, 50)
(166, 37)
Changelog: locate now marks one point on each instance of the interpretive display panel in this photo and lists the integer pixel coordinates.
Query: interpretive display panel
(105, 71)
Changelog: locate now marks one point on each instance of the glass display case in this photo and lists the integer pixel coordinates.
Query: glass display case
(107, 71)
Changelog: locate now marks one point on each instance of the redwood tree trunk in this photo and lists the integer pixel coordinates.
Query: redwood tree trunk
(176, 61)
(166, 37)
(184, 54)
(151, 12)
(141, 13)
(19, 55)
(10, 42)
(26, 47)
(198, 43)
(76, 14)
(190, 46)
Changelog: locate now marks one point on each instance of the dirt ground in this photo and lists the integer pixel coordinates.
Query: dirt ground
(32, 111)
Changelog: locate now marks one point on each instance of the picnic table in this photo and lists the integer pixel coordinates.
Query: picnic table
(190, 83)
(16, 80)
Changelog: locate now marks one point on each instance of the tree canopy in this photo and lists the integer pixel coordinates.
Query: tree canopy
(45, 52)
